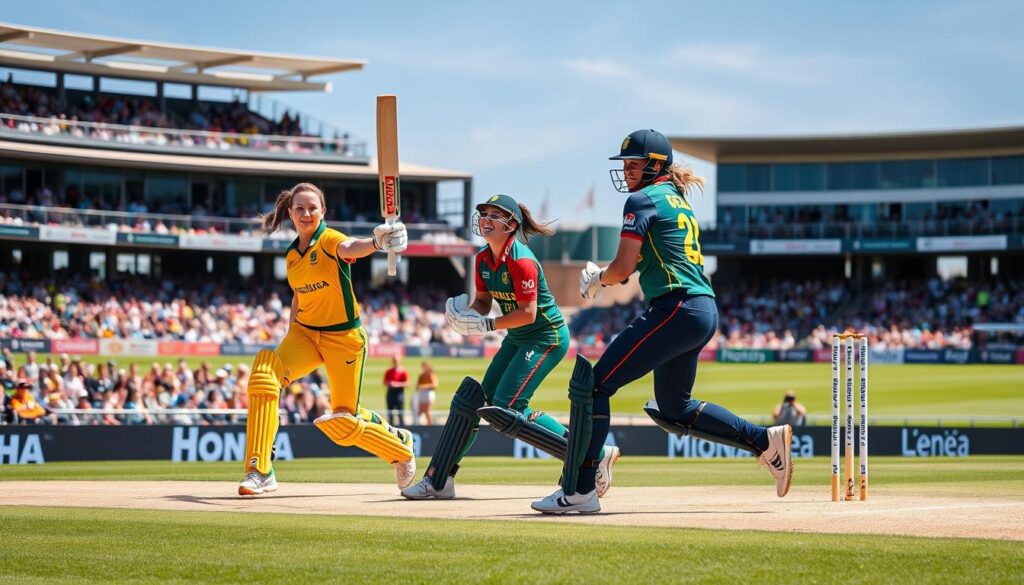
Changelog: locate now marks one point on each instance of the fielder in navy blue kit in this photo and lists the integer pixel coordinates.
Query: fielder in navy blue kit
(660, 239)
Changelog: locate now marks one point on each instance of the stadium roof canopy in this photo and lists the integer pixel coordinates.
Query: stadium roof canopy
(33, 48)
(982, 141)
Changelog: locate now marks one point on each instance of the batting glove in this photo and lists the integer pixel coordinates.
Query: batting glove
(391, 237)
(590, 280)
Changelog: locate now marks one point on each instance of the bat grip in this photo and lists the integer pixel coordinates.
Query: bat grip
(392, 257)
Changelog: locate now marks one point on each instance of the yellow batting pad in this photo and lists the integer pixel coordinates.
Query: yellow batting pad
(261, 425)
(368, 432)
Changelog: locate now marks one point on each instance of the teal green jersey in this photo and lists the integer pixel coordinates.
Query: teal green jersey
(670, 257)
(514, 278)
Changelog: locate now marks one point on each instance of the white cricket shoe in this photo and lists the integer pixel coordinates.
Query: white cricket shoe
(603, 480)
(405, 472)
(559, 503)
(424, 489)
(778, 459)
(256, 483)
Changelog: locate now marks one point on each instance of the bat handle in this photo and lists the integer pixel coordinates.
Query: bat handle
(392, 257)
(392, 264)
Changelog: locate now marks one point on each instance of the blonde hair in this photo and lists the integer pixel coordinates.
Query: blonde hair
(271, 222)
(530, 226)
(685, 179)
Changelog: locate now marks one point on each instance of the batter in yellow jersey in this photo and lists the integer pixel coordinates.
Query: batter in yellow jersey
(324, 330)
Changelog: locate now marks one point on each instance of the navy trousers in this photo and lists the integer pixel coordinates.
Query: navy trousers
(667, 339)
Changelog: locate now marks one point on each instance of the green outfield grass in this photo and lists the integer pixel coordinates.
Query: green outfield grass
(92, 545)
(917, 391)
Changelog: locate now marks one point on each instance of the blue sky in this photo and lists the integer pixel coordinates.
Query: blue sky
(532, 97)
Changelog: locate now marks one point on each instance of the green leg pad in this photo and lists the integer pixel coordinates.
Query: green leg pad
(515, 425)
(581, 413)
(462, 423)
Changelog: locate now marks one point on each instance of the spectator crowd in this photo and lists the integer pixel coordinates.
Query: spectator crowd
(140, 120)
(784, 314)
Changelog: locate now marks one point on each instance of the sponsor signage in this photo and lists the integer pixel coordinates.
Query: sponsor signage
(17, 231)
(817, 246)
(882, 245)
(243, 348)
(922, 356)
(961, 243)
(163, 240)
(75, 345)
(128, 347)
(386, 349)
(796, 355)
(221, 242)
(713, 248)
(746, 356)
(887, 356)
(21, 445)
(175, 348)
(77, 235)
(26, 345)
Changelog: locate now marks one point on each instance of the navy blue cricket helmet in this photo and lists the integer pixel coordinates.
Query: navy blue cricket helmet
(645, 144)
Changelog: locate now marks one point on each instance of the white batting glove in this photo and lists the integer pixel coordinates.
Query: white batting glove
(391, 237)
(590, 280)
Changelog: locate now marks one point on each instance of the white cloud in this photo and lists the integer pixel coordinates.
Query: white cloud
(599, 68)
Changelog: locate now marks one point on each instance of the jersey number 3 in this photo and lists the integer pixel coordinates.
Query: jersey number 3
(691, 243)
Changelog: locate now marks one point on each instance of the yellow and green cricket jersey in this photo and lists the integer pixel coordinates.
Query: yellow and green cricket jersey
(322, 283)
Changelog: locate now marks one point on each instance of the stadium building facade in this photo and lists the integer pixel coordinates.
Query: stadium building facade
(867, 207)
(165, 177)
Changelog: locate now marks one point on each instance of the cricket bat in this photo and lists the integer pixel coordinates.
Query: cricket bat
(387, 166)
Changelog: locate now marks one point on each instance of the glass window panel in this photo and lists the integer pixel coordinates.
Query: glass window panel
(784, 177)
(1007, 170)
(166, 193)
(962, 172)
(975, 171)
(865, 175)
(812, 177)
(921, 173)
(759, 177)
(10, 179)
(840, 176)
(894, 175)
(97, 185)
(243, 195)
(731, 177)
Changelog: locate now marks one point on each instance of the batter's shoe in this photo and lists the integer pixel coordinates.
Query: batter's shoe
(603, 481)
(425, 490)
(778, 459)
(559, 503)
(256, 483)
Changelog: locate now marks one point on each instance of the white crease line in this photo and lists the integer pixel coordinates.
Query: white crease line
(920, 509)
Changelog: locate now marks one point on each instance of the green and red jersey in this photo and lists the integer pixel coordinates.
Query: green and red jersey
(514, 278)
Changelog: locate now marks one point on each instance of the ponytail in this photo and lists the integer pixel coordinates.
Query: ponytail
(685, 180)
(530, 226)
